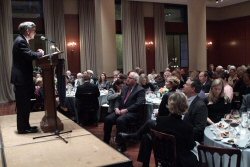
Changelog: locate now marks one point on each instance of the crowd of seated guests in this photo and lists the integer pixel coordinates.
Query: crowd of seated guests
(211, 94)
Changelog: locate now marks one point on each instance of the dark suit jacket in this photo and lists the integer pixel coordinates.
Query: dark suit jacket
(135, 100)
(183, 132)
(22, 69)
(206, 87)
(87, 95)
(163, 110)
(197, 116)
(245, 103)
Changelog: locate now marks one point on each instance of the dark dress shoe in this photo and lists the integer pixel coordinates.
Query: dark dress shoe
(126, 136)
(121, 148)
(27, 131)
(33, 127)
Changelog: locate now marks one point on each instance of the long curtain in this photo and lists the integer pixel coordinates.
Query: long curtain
(6, 36)
(87, 35)
(134, 51)
(161, 52)
(55, 26)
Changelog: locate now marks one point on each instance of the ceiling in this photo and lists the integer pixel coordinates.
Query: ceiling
(210, 3)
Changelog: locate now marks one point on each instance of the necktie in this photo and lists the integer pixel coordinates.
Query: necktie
(128, 93)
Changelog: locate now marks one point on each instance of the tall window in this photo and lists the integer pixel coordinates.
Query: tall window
(29, 10)
(177, 40)
(119, 48)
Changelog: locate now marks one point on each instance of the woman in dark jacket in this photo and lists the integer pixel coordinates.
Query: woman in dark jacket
(172, 84)
(174, 125)
(218, 104)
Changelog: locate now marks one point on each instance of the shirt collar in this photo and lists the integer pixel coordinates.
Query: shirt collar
(190, 99)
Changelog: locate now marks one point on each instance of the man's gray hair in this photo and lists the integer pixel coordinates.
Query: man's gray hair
(23, 27)
(135, 76)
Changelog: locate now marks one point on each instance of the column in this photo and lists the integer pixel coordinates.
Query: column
(105, 36)
(197, 34)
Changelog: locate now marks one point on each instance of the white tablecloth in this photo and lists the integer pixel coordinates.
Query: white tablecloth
(209, 139)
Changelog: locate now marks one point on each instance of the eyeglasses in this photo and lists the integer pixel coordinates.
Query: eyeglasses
(130, 78)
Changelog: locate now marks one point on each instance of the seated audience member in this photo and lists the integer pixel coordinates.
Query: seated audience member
(39, 94)
(232, 79)
(69, 78)
(197, 111)
(103, 83)
(183, 75)
(87, 101)
(127, 109)
(123, 77)
(151, 76)
(115, 75)
(78, 80)
(93, 79)
(205, 81)
(174, 125)
(217, 102)
(159, 80)
(228, 90)
(210, 70)
(245, 106)
(239, 85)
(113, 94)
(246, 80)
(172, 84)
(177, 73)
(143, 81)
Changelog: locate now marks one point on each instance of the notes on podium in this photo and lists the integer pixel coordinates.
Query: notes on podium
(51, 54)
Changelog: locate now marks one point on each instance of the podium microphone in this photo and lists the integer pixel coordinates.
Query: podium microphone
(46, 39)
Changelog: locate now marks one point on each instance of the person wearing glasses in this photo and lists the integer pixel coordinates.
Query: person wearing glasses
(126, 109)
(22, 75)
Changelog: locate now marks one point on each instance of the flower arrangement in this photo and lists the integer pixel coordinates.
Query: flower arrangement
(163, 90)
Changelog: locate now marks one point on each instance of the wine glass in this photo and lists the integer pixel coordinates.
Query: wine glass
(234, 124)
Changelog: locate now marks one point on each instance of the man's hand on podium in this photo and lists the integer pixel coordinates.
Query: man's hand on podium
(40, 51)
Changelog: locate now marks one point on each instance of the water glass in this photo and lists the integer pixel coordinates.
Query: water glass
(244, 121)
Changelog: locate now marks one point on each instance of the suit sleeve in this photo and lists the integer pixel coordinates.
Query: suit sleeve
(140, 100)
(200, 118)
(27, 52)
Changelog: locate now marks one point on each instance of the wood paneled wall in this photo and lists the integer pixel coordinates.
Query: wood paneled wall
(72, 35)
(231, 41)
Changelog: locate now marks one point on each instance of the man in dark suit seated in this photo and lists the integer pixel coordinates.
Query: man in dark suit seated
(197, 111)
(127, 109)
(205, 81)
(87, 101)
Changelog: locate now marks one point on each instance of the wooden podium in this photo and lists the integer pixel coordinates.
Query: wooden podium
(50, 122)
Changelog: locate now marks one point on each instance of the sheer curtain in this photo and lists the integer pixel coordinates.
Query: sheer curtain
(55, 26)
(87, 35)
(6, 36)
(134, 51)
(161, 52)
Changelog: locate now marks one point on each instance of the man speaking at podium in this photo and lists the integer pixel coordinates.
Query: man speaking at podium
(22, 75)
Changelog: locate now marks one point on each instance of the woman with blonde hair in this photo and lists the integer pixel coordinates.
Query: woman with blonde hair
(217, 102)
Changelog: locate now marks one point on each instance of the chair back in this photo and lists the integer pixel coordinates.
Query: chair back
(218, 157)
(87, 106)
(164, 148)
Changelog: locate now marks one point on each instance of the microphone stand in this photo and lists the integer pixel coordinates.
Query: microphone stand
(57, 131)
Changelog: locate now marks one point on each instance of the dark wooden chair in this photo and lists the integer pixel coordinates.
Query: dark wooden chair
(164, 148)
(87, 109)
(209, 155)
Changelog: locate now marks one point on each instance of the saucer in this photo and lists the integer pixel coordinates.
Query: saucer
(218, 138)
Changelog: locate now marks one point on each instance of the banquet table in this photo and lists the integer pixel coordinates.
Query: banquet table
(241, 139)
